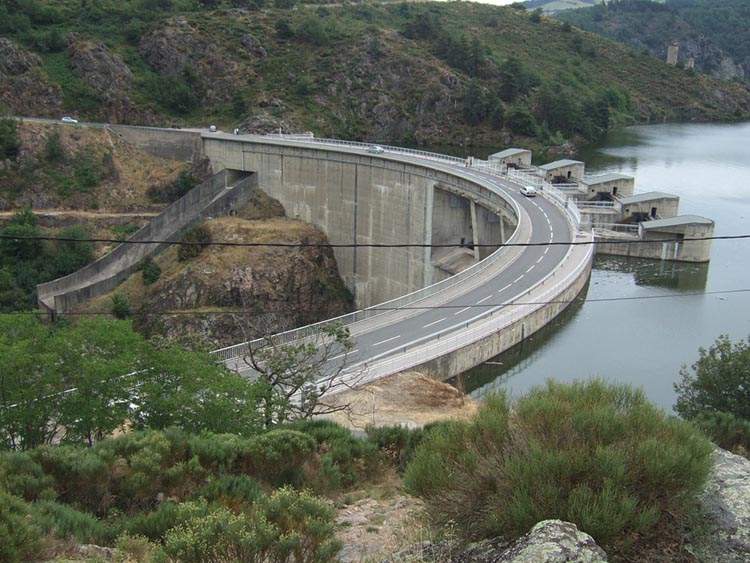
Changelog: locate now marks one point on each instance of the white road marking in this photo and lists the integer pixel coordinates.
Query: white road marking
(540, 258)
(462, 310)
(519, 278)
(503, 289)
(532, 267)
(388, 340)
(344, 354)
(434, 323)
(483, 300)
(546, 250)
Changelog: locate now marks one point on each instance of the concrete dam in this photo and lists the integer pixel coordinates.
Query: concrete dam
(471, 266)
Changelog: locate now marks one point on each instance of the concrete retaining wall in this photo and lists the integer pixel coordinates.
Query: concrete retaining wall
(171, 144)
(218, 196)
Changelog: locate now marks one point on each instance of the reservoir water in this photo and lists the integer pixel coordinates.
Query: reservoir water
(641, 320)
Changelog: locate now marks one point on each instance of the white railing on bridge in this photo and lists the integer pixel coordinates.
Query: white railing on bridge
(597, 204)
(618, 227)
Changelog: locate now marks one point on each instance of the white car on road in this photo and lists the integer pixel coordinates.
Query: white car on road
(68, 119)
(528, 191)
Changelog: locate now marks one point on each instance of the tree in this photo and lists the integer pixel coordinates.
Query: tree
(719, 382)
(297, 381)
(9, 143)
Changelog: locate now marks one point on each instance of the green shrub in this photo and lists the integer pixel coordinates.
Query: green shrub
(81, 476)
(65, 522)
(344, 459)
(53, 149)
(23, 477)
(230, 490)
(598, 455)
(9, 143)
(150, 270)
(278, 456)
(286, 527)
(21, 538)
(217, 451)
(396, 443)
(197, 235)
(120, 307)
(727, 431)
(152, 525)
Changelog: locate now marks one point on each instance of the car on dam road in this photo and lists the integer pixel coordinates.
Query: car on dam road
(528, 191)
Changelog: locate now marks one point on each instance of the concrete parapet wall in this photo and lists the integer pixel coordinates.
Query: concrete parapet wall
(211, 198)
(358, 198)
(171, 144)
(469, 356)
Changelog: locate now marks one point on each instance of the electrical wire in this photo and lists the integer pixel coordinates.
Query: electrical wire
(358, 245)
(377, 309)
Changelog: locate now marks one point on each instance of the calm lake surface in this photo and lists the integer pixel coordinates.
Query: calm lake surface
(642, 319)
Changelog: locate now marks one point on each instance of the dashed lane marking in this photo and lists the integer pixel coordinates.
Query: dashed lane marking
(387, 340)
(434, 323)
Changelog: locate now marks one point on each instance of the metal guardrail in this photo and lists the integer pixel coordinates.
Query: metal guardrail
(566, 204)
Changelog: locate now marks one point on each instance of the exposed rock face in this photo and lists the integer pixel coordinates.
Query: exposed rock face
(727, 502)
(550, 541)
(391, 94)
(177, 45)
(266, 290)
(108, 76)
(24, 87)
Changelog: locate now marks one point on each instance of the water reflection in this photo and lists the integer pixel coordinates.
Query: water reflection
(657, 273)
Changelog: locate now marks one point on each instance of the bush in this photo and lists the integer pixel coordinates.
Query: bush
(598, 455)
(120, 307)
(21, 476)
(9, 143)
(396, 443)
(198, 235)
(65, 522)
(718, 382)
(150, 270)
(20, 537)
(286, 527)
(343, 459)
(726, 431)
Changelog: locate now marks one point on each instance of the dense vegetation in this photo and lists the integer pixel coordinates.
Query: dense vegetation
(715, 393)
(707, 30)
(28, 260)
(405, 73)
(598, 455)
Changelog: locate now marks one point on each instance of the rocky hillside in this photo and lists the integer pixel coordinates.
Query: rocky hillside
(713, 34)
(450, 73)
(226, 294)
(86, 178)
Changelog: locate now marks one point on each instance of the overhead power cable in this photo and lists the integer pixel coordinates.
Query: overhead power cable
(378, 309)
(357, 245)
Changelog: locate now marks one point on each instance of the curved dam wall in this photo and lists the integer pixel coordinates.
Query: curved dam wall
(362, 199)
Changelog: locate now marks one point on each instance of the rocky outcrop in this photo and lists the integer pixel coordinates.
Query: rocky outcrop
(550, 541)
(217, 69)
(24, 86)
(238, 293)
(108, 76)
(727, 505)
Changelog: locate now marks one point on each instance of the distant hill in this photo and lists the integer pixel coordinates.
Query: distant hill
(455, 73)
(715, 34)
